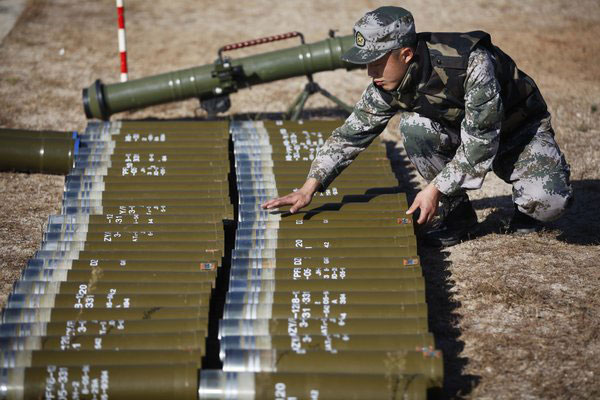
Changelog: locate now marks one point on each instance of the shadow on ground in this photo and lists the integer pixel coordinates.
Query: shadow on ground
(579, 225)
(443, 318)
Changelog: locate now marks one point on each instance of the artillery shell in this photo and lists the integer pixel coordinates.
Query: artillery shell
(114, 235)
(331, 343)
(325, 273)
(324, 262)
(303, 311)
(194, 340)
(122, 265)
(97, 275)
(16, 315)
(361, 285)
(207, 256)
(156, 382)
(325, 326)
(101, 327)
(428, 364)
(33, 358)
(216, 385)
(407, 251)
(111, 300)
(318, 298)
(91, 287)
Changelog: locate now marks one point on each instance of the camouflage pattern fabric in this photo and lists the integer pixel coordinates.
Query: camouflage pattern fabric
(456, 160)
(380, 31)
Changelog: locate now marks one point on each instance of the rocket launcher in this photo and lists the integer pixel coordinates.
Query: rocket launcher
(213, 83)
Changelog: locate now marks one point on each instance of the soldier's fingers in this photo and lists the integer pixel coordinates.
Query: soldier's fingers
(281, 201)
(297, 205)
(275, 203)
(268, 203)
(424, 215)
(413, 207)
(430, 216)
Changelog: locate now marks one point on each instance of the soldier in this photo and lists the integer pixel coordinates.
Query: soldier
(464, 109)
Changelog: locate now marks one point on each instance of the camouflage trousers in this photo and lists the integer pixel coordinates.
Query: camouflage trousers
(531, 162)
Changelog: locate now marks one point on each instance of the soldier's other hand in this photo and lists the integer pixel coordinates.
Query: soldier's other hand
(298, 199)
(427, 201)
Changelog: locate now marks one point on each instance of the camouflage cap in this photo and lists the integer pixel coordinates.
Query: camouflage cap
(380, 31)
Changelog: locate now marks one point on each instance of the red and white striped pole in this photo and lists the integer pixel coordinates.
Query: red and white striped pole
(122, 43)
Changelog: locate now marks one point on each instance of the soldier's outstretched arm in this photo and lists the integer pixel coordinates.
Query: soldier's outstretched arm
(369, 118)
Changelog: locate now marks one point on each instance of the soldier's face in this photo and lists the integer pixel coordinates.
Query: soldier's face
(388, 71)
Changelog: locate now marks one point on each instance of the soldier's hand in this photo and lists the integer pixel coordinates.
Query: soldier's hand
(427, 201)
(296, 200)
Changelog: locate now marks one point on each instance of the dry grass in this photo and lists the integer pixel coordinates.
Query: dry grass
(517, 317)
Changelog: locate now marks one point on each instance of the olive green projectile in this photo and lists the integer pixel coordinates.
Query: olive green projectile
(287, 223)
(145, 213)
(184, 226)
(38, 155)
(125, 265)
(303, 311)
(332, 242)
(114, 234)
(100, 288)
(169, 341)
(200, 247)
(24, 359)
(329, 272)
(360, 285)
(15, 315)
(324, 262)
(318, 298)
(327, 326)
(204, 256)
(112, 300)
(212, 184)
(217, 385)
(209, 196)
(85, 381)
(408, 251)
(426, 363)
(371, 342)
(102, 327)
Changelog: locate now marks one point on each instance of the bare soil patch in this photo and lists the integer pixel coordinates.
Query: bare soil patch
(517, 316)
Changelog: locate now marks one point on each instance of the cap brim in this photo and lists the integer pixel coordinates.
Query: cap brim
(360, 56)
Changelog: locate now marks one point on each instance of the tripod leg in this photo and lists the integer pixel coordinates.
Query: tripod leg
(296, 109)
(337, 101)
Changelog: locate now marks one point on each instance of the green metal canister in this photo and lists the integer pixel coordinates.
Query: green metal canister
(219, 385)
(85, 381)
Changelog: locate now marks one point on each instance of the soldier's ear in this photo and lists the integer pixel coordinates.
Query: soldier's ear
(406, 54)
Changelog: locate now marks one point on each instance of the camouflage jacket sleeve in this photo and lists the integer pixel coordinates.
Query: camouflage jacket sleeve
(369, 118)
(480, 129)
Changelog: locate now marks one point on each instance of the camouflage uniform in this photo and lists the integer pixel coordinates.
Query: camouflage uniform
(455, 146)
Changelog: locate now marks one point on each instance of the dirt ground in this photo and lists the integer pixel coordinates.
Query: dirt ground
(516, 316)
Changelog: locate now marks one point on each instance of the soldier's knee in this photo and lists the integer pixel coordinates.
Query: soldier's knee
(420, 135)
(546, 205)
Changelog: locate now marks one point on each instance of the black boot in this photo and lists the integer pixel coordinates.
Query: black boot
(454, 225)
(523, 224)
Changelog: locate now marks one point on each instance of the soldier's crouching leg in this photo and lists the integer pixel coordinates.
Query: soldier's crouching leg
(429, 146)
(539, 175)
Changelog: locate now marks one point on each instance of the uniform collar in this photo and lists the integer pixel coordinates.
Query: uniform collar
(406, 92)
